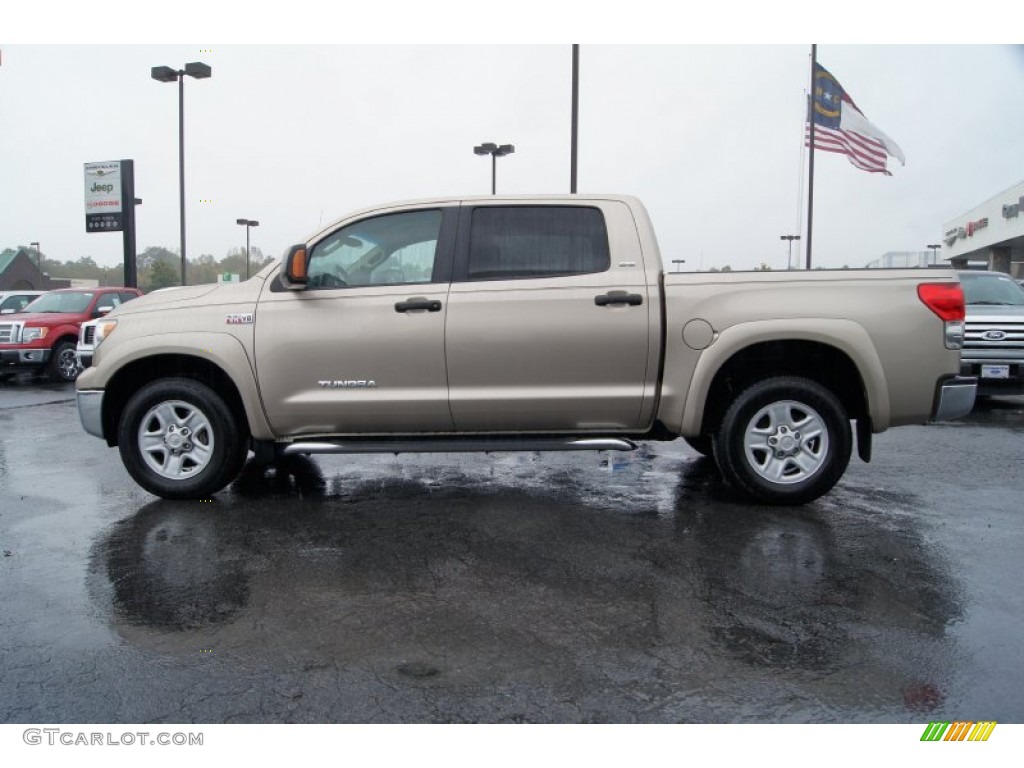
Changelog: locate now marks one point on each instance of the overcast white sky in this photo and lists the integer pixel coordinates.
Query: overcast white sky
(708, 136)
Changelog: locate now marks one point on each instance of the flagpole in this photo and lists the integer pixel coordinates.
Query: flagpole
(575, 116)
(810, 173)
(800, 187)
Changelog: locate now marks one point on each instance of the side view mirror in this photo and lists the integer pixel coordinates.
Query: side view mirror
(100, 311)
(293, 270)
(8, 311)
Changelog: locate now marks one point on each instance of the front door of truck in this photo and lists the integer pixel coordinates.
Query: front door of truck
(547, 329)
(361, 349)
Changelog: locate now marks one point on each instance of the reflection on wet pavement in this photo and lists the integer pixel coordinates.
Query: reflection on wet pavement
(526, 571)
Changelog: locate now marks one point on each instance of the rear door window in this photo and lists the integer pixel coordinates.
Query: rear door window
(515, 242)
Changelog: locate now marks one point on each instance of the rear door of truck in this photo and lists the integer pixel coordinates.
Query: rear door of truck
(551, 324)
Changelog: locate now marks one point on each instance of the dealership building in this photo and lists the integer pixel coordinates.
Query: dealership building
(990, 236)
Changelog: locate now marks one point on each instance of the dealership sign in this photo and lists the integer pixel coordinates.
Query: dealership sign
(1012, 210)
(104, 205)
(955, 233)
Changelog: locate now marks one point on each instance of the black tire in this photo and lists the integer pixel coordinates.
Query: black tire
(63, 365)
(796, 468)
(192, 445)
(702, 444)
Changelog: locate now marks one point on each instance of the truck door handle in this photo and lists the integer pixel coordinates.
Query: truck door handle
(431, 305)
(619, 297)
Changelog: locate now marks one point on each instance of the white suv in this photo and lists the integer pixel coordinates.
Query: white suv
(15, 301)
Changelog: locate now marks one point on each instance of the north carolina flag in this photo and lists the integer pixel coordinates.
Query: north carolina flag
(839, 126)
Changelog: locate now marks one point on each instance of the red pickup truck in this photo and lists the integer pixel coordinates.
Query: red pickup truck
(43, 336)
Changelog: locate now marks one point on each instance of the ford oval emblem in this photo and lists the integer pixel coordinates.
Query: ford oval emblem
(994, 335)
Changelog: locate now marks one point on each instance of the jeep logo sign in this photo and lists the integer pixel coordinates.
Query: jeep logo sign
(103, 204)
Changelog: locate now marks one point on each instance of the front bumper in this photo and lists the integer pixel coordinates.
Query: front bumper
(954, 398)
(23, 359)
(1013, 384)
(90, 411)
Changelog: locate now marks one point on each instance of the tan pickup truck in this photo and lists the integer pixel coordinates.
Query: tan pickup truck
(522, 323)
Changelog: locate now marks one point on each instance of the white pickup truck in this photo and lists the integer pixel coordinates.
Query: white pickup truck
(522, 323)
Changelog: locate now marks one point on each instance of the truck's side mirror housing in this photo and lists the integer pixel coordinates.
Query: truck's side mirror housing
(100, 311)
(293, 270)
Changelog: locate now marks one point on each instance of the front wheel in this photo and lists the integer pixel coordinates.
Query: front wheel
(785, 440)
(64, 363)
(179, 439)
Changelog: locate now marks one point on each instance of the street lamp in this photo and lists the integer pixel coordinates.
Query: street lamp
(678, 261)
(199, 71)
(39, 256)
(935, 251)
(248, 224)
(789, 257)
(495, 151)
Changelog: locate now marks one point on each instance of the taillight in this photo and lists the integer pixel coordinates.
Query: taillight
(947, 301)
(944, 299)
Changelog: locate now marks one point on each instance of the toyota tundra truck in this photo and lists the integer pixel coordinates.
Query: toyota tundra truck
(522, 323)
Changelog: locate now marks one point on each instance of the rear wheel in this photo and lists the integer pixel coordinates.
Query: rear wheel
(785, 440)
(180, 440)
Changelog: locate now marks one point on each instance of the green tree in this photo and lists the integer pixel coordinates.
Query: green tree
(159, 275)
(203, 270)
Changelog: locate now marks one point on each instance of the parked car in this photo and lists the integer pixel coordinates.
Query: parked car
(43, 336)
(16, 301)
(994, 336)
(522, 323)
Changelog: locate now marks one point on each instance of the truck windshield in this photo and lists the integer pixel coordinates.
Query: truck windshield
(73, 301)
(992, 290)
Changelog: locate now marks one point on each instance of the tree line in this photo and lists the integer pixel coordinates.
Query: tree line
(157, 267)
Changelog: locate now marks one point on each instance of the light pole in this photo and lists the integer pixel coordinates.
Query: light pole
(678, 261)
(935, 251)
(39, 255)
(495, 151)
(789, 257)
(248, 224)
(199, 71)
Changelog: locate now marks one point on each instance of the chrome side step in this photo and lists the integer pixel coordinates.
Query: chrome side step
(457, 445)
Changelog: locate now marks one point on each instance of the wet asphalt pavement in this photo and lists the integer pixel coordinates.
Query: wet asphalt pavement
(510, 587)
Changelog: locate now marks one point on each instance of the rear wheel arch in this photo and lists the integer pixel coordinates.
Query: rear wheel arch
(827, 365)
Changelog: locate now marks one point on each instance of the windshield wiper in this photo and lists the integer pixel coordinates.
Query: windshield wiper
(991, 303)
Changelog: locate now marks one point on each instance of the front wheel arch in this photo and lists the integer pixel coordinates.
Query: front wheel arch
(138, 373)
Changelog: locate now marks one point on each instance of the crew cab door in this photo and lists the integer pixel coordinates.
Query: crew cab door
(361, 349)
(550, 320)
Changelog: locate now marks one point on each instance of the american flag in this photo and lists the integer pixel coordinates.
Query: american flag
(839, 126)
